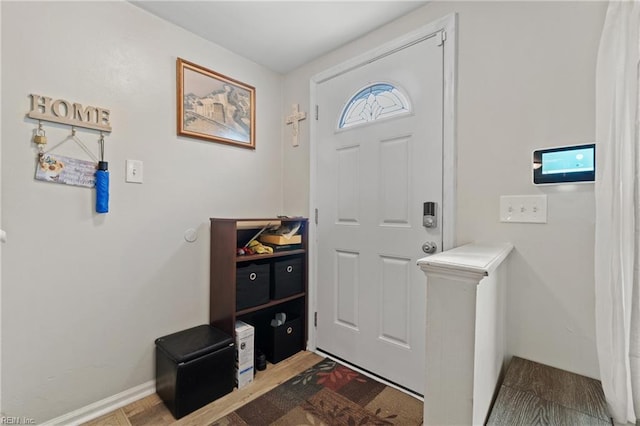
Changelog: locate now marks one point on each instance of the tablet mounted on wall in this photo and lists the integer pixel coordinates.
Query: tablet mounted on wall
(565, 164)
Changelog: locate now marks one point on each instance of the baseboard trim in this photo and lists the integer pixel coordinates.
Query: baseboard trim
(104, 406)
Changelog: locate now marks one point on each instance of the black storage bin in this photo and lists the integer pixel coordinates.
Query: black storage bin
(283, 341)
(193, 368)
(287, 277)
(252, 285)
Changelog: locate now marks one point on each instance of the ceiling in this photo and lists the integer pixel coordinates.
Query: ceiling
(281, 35)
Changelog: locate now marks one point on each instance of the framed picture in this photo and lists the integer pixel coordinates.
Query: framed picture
(214, 107)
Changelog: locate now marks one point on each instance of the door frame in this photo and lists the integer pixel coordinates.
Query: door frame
(448, 25)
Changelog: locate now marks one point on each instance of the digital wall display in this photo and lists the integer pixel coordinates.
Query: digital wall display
(565, 164)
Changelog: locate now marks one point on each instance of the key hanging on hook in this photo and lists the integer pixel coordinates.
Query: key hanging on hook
(40, 138)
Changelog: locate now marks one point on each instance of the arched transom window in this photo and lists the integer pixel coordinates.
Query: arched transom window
(374, 102)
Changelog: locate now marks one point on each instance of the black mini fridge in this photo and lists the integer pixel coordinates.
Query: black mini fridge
(193, 368)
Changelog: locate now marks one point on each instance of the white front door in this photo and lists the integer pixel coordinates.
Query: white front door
(379, 153)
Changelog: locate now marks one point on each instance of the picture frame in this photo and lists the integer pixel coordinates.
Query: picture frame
(214, 107)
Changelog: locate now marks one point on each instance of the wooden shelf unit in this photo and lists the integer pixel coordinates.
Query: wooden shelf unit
(269, 304)
(227, 235)
(254, 257)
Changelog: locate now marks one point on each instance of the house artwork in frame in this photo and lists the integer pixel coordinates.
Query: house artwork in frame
(214, 107)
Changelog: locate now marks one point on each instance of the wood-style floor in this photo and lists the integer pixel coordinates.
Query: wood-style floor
(537, 394)
(152, 411)
(531, 394)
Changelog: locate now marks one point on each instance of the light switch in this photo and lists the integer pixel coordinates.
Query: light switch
(523, 208)
(134, 171)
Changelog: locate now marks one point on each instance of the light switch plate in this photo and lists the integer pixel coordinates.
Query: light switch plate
(523, 208)
(134, 171)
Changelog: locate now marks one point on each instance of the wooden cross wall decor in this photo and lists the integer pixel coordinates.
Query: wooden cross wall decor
(294, 119)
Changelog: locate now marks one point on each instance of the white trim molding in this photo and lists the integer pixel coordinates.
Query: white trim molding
(104, 406)
(474, 261)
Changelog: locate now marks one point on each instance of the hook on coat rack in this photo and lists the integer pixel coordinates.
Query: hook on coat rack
(77, 140)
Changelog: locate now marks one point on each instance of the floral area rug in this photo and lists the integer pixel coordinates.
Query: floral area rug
(329, 394)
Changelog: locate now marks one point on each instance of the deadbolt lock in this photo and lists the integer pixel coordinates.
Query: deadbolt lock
(429, 215)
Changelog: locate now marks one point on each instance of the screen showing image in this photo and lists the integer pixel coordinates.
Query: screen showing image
(564, 164)
(569, 161)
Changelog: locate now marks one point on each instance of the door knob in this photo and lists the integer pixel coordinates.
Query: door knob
(429, 247)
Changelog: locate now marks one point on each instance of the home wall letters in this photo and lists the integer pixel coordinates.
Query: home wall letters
(71, 113)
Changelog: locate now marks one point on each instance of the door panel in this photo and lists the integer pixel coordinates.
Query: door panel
(395, 306)
(346, 301)
(394, 182)
(348, 172)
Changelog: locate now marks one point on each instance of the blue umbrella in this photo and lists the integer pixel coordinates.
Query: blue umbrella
(102, 182)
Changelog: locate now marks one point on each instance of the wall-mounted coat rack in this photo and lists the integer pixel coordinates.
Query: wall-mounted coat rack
(53, 168)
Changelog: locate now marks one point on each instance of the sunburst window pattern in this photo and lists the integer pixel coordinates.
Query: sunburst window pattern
(379, 100)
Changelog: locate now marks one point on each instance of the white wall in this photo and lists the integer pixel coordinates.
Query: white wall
(85, 295)
(525, 80)
(1, 218)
